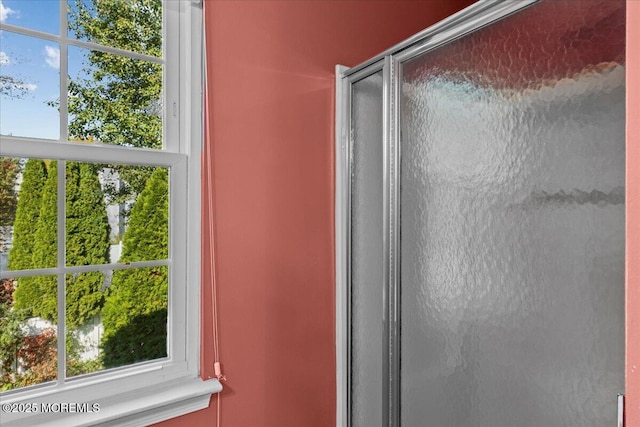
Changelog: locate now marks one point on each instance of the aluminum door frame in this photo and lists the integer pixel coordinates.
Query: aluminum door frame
(343, 170)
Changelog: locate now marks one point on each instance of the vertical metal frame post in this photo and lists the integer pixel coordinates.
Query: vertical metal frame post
(386, 235)
(391, 190)
(343, 173)
(343, 394)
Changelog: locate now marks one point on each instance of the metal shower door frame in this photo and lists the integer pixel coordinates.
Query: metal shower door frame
(474, 17)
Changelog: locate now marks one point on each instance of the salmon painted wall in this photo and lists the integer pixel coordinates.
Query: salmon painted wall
(633, 215)
(271, 66)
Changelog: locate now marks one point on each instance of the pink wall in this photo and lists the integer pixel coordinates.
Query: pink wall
(633, 215)
(271, 67)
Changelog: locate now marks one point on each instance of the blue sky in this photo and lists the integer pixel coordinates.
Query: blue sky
(35, 63)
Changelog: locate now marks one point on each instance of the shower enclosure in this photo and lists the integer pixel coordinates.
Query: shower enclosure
(480, 222)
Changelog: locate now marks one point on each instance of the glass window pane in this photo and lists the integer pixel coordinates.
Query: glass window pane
(83, 341)
(116, 213)
(87, 224)
(146, 230)
(128, 322)
(29, 86)
(39, 15)
(85, 296)
(10, 171)
(133, 25)
(28, 331)
(28, 217)
(114, 99)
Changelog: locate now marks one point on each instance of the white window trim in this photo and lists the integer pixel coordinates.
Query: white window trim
(154, 391)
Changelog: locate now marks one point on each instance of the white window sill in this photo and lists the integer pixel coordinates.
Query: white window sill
(138, 408)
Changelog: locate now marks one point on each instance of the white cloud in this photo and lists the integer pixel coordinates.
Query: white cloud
(29, 86)
(4, 12)
(52, 56)
(4, 58)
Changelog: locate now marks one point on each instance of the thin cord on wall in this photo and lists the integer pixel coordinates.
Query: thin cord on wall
(211, 222)
(212, 248)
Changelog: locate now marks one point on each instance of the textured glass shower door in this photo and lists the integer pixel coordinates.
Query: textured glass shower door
(512, 222)
(366, 332)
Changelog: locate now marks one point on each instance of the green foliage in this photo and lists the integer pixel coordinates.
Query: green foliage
(118, 100)
(41, 293)
(140, 294)
(11, 338)
(75, 364)
(134, 25)
(45, 252)
(27, 212)
(143, 337)
(87, 242)
(34, 180)
(147, 235)
(11, 335)
(9, 169)
(78, 367)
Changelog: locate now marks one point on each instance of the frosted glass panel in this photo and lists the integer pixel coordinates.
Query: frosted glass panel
(366, 252)
(512, 222)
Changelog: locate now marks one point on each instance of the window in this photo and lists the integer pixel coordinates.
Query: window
(100, 138)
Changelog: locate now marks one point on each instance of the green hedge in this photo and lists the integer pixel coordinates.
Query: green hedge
(135, 310)
(87, 242)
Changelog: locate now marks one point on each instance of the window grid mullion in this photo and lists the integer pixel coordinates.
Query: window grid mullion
(62, 197)
(79, 43)
(64, 74)
(85, 268)
(61, 263)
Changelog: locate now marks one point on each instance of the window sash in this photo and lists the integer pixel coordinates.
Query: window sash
(171, 70)
(178, 279)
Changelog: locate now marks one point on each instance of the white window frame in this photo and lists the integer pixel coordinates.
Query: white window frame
(144, 393)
